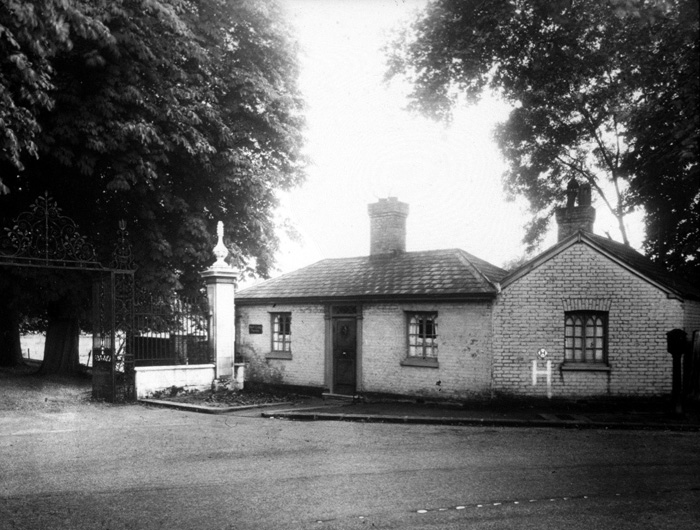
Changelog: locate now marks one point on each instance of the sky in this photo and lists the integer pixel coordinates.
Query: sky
(363, 145)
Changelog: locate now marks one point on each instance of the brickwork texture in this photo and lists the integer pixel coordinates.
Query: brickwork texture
(529, 315)
(464, 341)
(487, 348)
(306, 366)
(464, 349)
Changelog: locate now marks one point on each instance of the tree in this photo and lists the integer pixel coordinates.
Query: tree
(10, 347)
(572, 69)
(664, 138)
(31, 33)
(185, 113)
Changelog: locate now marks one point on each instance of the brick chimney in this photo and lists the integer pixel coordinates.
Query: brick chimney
(578, 214)
(387, 226)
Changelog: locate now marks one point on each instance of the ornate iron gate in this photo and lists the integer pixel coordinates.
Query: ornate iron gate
(113, 375)
(44, 238)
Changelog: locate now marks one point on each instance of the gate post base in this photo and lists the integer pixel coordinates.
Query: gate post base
(102, 387)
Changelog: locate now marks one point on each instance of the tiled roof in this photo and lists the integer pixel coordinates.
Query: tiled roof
(648, 268)
(431, 274)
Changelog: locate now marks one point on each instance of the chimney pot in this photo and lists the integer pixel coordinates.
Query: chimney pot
(571, 193)
(584, 194)
(573, 218)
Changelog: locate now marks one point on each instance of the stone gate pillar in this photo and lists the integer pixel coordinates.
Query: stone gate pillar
(220, 280)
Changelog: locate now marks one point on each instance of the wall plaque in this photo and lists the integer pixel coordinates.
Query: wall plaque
(255, 329)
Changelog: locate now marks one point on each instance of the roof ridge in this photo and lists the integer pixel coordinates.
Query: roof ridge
(464, 255)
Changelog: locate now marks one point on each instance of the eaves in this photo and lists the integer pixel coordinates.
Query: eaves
(402, 298)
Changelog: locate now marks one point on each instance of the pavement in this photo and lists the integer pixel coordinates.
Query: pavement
(635, 415)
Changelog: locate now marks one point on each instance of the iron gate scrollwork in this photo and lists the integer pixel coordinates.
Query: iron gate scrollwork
(43, 237)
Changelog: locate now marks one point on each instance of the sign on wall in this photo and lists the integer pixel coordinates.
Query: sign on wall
(255, 329)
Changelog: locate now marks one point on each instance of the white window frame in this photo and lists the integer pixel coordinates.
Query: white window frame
(282, 332)
(586, 337)
(422, 332)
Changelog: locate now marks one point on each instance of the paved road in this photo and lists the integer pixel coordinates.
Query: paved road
(136, 467)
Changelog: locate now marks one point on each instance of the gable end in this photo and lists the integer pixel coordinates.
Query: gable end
(582, 238)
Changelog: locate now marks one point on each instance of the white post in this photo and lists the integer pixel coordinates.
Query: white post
(239, 376)
(220, 279)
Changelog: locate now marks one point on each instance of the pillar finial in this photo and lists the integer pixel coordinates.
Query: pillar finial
(220, 250)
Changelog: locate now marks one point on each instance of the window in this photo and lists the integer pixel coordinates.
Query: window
(585, 337)
(282, 332)
(422, 335)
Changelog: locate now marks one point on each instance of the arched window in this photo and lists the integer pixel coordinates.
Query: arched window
(585, 337)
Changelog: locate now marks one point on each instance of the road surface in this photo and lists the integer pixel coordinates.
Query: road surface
(133, 467)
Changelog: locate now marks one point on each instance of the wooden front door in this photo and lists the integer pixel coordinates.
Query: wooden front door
(344, 355)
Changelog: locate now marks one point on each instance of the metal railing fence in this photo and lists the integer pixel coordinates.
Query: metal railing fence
(172, 331)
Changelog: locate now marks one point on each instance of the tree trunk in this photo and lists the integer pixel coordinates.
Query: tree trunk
(62, 336)
(10, 348)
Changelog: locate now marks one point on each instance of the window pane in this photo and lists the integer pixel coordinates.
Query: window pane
(413, 326)
(422, 335)
(584, 337)
(281, 332)
(598, 355)
(569, 339)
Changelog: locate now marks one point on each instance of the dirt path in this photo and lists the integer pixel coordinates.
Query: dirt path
(22, 390)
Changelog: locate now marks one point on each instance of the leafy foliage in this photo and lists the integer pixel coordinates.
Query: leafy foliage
(582, 77)
(169, 114)
(31, 33)
(664, 138)
(178, 114)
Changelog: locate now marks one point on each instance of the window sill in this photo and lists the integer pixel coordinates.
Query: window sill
(284, 355)
(420, 362)
(585, 367)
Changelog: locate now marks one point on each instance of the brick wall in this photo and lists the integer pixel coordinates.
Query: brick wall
(529, 315)
(464, 351)
(692, 317)
(464, 338)
(306, 367)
